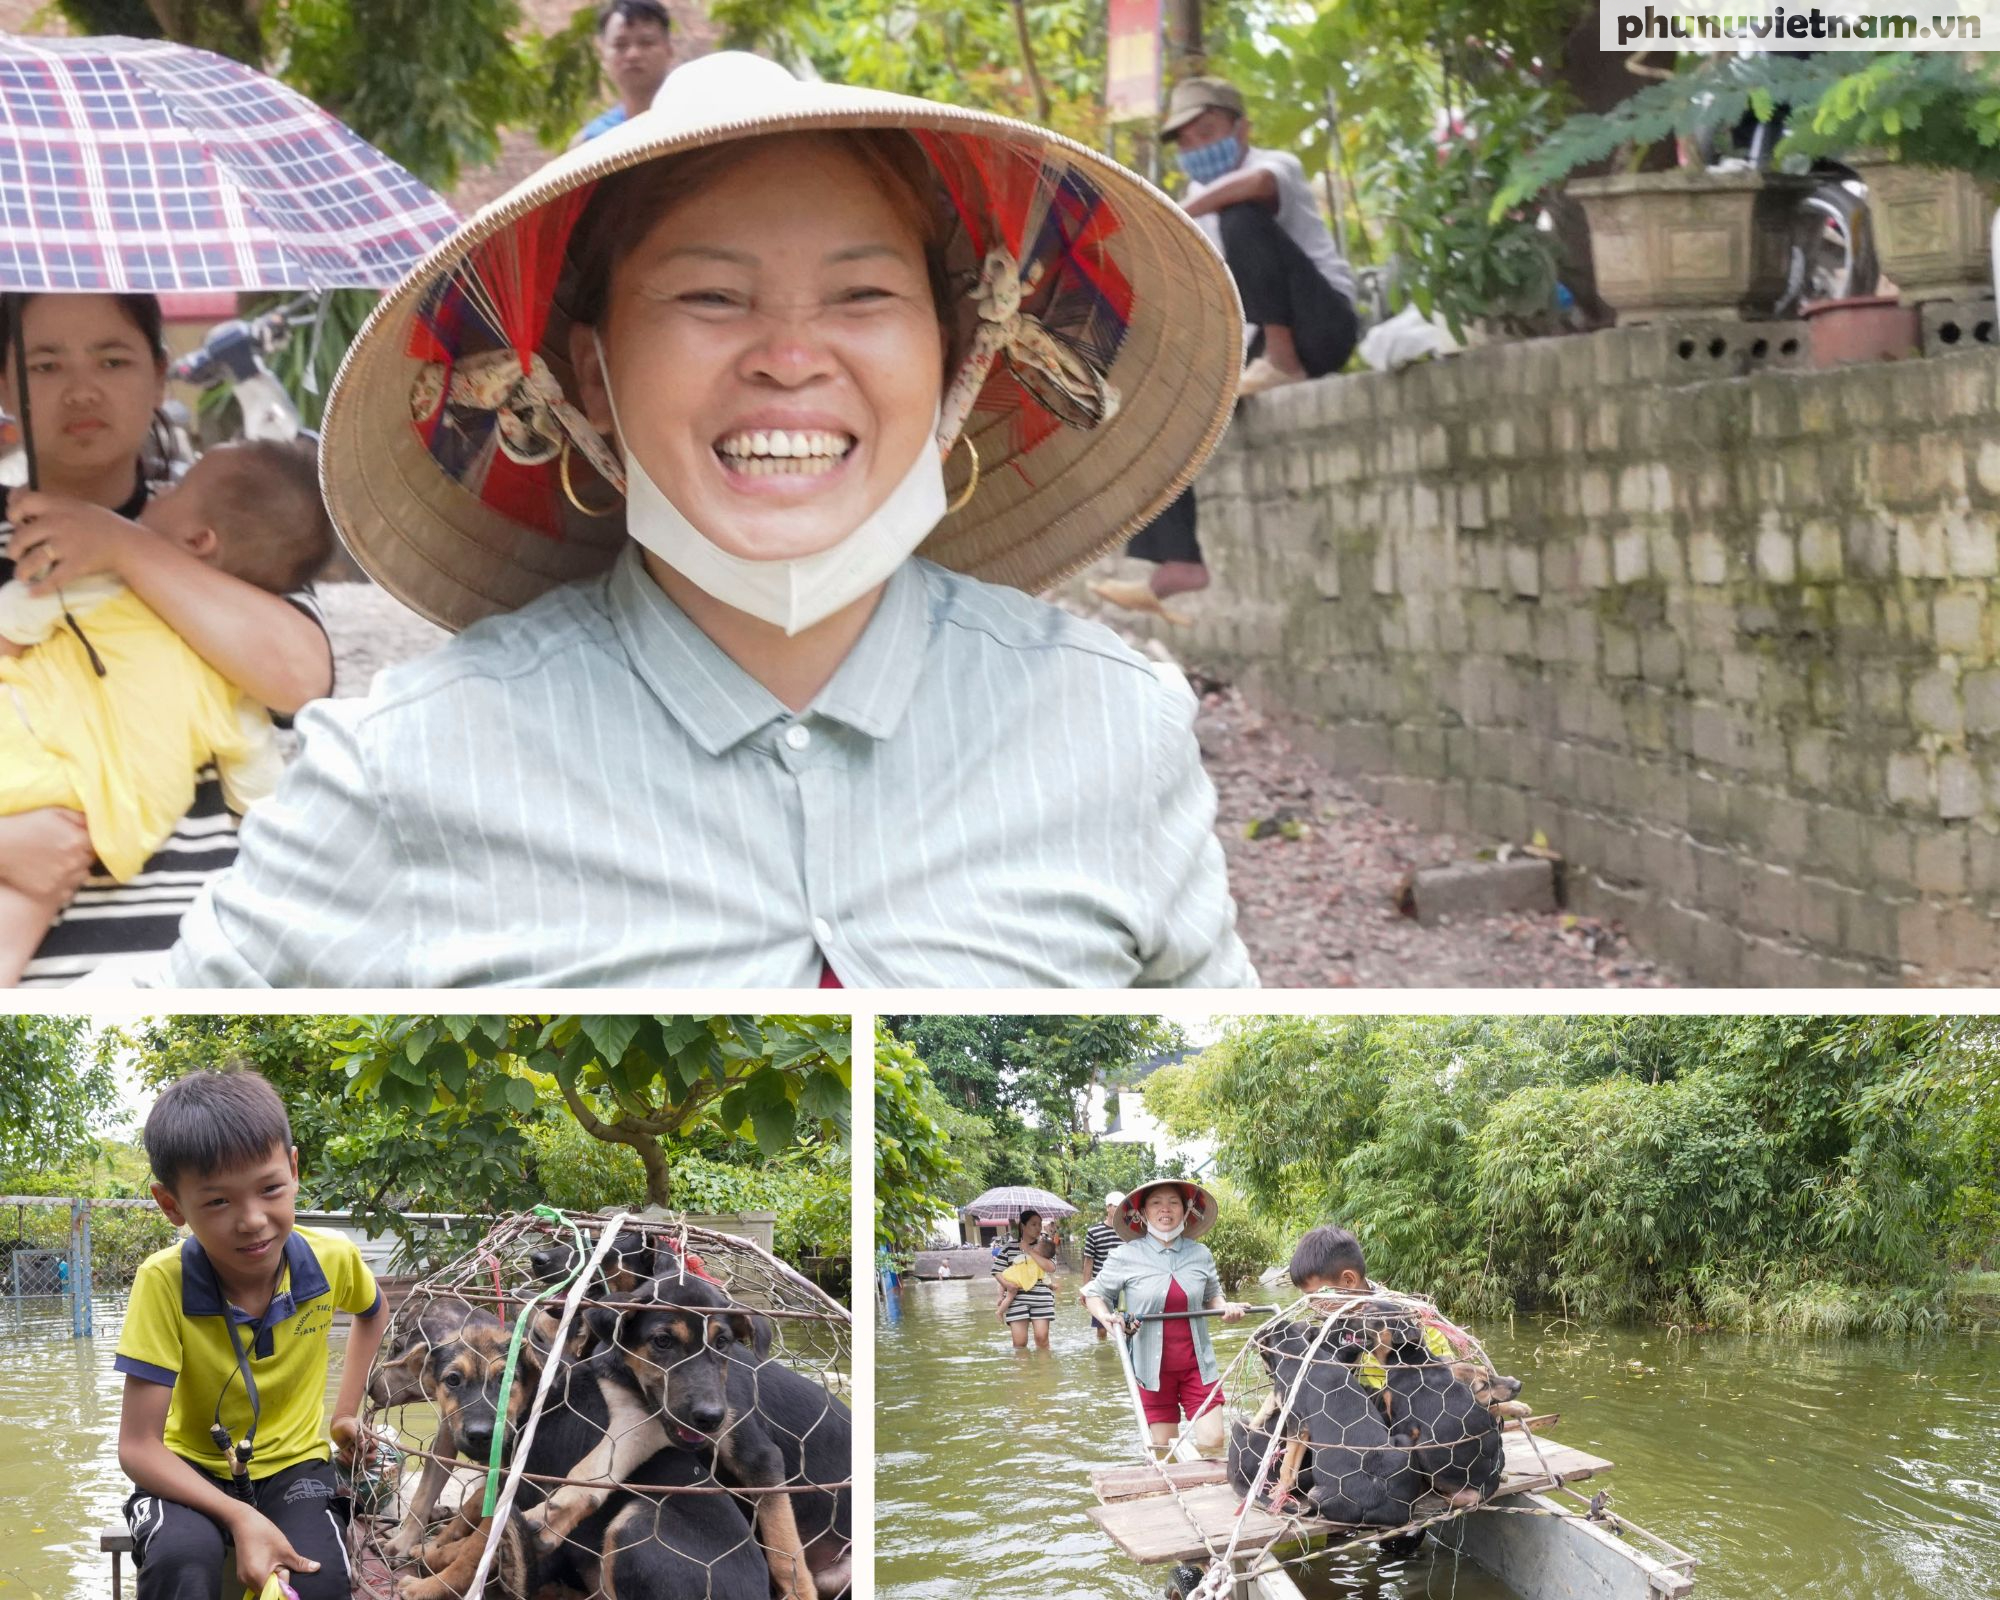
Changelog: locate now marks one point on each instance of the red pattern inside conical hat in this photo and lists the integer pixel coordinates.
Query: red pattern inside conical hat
(1051, 218)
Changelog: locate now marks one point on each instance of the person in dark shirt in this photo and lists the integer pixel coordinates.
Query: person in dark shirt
(1099, 1242)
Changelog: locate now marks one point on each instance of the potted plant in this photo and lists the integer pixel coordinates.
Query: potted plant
(1922, 131)
(1493, 272)
(1676, 243)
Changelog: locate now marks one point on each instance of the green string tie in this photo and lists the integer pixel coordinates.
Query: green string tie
(547, 1214)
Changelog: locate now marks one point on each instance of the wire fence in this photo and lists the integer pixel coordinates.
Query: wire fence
(62, 1248)
(617, 1405)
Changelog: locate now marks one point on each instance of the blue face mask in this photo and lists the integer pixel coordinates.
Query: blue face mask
(1211, 161)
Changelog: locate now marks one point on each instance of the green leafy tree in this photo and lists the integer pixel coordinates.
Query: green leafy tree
(56, 1093)
(1243, 1243)
(636, 1081)
(396, 1114)
(1814, 1172)
(914, 1164)
(1037, 1069)
(1029, 1081)
(1043, 62)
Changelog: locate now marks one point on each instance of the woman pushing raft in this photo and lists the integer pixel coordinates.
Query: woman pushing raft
(1164, 1268)
(662, 430)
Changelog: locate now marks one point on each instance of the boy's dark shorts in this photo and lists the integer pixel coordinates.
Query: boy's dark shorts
(183, 1554)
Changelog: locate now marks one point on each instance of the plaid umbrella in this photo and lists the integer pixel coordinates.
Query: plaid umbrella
(140, 165)
(1006, 1204)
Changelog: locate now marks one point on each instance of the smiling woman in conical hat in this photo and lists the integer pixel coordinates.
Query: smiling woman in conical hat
(736, 440)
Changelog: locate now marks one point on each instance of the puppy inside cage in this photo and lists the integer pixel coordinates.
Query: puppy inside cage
(595, 1407)
(1368, 1417)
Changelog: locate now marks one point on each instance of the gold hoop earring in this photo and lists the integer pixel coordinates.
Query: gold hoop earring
(569, 489)
(972, 483)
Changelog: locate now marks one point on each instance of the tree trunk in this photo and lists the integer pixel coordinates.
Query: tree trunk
(659, 1177)
(1041, 92)
(1185, 57)
(228, 27)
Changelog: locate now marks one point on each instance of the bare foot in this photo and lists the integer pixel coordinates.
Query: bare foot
(1133, 596)
(1179, 577)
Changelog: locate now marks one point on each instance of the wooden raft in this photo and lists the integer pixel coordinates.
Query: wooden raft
(1155, 1528)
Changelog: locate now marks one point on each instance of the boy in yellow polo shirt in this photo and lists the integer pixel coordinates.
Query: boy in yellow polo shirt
(1328, 1259)
(224, 1352)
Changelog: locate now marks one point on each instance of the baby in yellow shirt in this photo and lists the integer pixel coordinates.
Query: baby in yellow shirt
(118, 727)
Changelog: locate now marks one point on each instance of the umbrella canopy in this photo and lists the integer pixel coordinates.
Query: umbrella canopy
(1006, 1204)
(137, 165)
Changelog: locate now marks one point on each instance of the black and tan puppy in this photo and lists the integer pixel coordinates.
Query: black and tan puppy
(1492, 1390)
(1339, 1453)
(704, 1547)
(449, 1354)
(683, 1364)
(627, 1264)
(1453, 1441)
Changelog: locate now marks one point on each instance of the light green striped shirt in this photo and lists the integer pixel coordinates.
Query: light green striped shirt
(1142, 1271)
(989, 793)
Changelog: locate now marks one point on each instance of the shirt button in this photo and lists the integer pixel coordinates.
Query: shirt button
(822, 930)
(798, 736)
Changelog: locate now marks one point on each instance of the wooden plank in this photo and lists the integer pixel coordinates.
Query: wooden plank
(1130, 1483)
(1525, 1470)
(1160, 1528)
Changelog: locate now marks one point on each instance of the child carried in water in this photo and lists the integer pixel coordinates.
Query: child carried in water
(106, 710)
(1036, 1262)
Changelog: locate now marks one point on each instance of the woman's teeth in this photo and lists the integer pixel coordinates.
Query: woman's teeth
(759, 454)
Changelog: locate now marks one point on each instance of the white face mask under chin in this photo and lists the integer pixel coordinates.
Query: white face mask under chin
(1167, 1236)
(795, 593)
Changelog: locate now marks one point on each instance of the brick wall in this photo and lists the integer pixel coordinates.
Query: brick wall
(1730, 643)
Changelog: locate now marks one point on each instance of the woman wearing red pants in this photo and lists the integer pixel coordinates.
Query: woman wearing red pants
(1163, 1267)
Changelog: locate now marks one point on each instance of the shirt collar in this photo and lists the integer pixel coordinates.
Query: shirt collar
(873, 687)
(721, 705)
(718, 703)
(202, 1294)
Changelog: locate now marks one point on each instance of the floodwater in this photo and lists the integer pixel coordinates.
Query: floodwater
(59, 1477)
(1810, 1469)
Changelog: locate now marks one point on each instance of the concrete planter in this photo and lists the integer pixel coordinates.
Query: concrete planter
(1683, 243)
(1931, 229)
(759, 1227)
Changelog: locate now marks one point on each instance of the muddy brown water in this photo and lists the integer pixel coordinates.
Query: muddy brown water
(1852, 1469)
(59, 1477)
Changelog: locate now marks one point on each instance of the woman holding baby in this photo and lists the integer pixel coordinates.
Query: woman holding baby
(96, 376)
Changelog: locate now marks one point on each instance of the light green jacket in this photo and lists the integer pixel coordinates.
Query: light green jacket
(1141, 1270)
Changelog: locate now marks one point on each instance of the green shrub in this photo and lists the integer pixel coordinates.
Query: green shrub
(1242, 1243)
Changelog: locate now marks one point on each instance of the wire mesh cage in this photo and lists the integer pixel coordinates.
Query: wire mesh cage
(608, 1405)
(1353, 1418)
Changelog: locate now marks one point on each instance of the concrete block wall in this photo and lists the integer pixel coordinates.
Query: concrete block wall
(1731, 643)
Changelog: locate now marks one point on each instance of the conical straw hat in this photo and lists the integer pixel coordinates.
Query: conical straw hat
(458, 511)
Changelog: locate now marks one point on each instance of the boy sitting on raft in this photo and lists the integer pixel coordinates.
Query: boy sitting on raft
(1328, 1262)
(106, 710)
(224, 1352)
